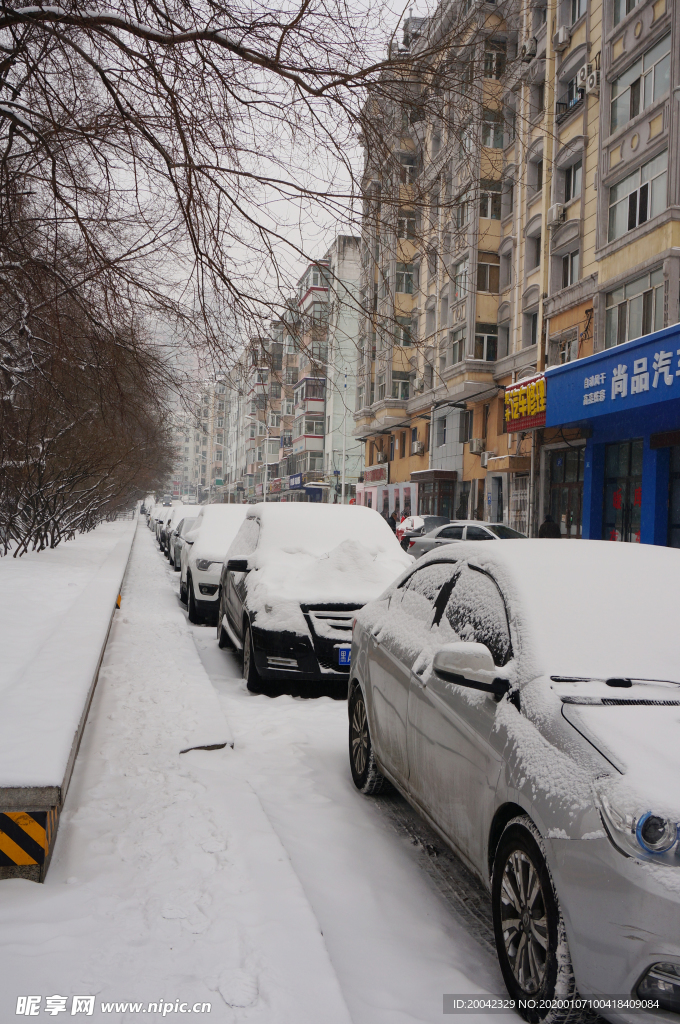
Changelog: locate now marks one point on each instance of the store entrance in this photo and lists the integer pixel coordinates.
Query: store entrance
(623, 491)
(566, 489)
(674, 499)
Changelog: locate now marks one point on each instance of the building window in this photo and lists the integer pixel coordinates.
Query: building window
(407, 168)
(634, 309)
(495, 55)
(492, 129)
(360, 397)
(381, 387)
(441, 431)
(622, 8)
(462, 207)
(570, 268)
(405, 278)
(578, 9)
(400, 385)
(538, 183)
(490, 200)
(402, 445)
(572, 181)
(457, 345)
(642, 84)
(530, 329)
(460, 272)
(488, 270)
(486, 341)
(640, 196)
(465, 426)
(406, 225)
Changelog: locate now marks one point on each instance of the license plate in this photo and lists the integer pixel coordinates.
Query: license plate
(343, 656)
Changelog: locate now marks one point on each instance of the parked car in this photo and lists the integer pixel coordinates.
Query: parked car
(176, 540)
(292, 582)
(459, 530)
(190, 499)
(524, 698)
(202, 555)
(417, 526)
(176, 515)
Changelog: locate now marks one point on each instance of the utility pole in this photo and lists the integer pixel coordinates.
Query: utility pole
(344, 436)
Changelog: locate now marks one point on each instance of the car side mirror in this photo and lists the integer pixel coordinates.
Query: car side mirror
(237, 565)
(469, 664)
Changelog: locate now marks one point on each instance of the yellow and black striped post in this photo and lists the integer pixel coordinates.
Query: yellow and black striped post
(26, 841)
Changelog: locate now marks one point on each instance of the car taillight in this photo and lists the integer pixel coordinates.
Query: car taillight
(411, 543)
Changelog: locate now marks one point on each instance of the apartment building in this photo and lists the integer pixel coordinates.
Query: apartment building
(544, 231)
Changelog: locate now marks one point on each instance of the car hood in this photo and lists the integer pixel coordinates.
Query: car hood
(350, 573)
(642, 741)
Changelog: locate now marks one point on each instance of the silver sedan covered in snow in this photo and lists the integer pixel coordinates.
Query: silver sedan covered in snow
(525, 698)
(461, 530)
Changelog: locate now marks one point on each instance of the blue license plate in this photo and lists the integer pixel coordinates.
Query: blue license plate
(343, 656)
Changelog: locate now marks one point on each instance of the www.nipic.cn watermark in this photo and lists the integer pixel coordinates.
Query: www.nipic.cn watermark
(31, 1006)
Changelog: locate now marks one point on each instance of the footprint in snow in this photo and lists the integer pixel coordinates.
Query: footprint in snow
(238, 987)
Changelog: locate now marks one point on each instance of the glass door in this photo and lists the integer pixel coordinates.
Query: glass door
(566, 489)
(674, 499)
(623, 491)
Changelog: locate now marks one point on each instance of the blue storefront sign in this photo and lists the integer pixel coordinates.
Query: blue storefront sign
(628, 400)
(295, 481)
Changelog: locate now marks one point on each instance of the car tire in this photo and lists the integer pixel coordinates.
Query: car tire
(250, 673)
(175, 564)
(182, 591)
(366, 775)
(531, 940)
(223, 640)
(194, 614)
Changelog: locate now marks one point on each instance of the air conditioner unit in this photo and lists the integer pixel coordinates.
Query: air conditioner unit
(418, 384)
(562, 38)
(593, 84)
(555, 215)
(476, 445)
(380, 457)
(484, 459)
(582, 75)
(417, 448)
(528, 51)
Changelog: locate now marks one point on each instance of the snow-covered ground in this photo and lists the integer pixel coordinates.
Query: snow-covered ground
(253, 878)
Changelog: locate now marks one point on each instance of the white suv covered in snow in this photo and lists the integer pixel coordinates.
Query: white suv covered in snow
(203, 551)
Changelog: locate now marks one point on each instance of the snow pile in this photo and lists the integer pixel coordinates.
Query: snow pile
(315, 554)
(214, 530)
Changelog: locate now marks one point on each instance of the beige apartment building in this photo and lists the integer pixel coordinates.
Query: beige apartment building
(527, 217)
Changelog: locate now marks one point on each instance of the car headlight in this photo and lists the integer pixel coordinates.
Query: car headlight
(637, 834)
(204, 563)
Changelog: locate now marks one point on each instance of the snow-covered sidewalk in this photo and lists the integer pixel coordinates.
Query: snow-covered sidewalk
(168, 882)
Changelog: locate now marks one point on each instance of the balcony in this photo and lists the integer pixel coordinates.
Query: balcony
(568, 105)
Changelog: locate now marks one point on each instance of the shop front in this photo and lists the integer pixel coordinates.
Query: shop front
(376, 491)
(436, 492)
(626, 478)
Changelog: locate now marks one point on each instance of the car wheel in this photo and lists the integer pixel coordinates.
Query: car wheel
(194, 614)
(250, 673)
(175, 564)
(223, 641)
(365, 773)
(182, 592)
(531, 940)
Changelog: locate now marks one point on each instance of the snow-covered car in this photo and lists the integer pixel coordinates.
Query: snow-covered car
(293, 580)
(202, 555)
(417, 526)
(177, 514)
(176, 540)
(525, 698)
(460, 530)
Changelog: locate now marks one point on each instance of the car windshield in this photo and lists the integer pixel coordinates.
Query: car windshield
(504, 532)
(432, 522)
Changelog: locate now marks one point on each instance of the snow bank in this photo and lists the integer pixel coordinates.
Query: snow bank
(315, 554)
(44, 702)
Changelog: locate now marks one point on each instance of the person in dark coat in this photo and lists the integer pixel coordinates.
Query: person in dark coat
(549, 528)
(392, 522)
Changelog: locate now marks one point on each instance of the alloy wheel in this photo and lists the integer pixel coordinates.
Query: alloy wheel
(524, 921)
(359, 737)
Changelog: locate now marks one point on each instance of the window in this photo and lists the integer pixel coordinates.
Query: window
(492, 129)
(465, 426)
(539, 98)
(457, 345)
(274, 419)
(642, 84)
(414, 435)
(291, 376)
(578, 9)
(488, 269)
(486, 341)
(638, 197)
(462, 210)
(441, 431)
(400, 385)
(476, 611)
(275, 390)
(495, 55)
(405, 278)
(572, 181)
(570, 265)
(622, 8)
(407, 168)
(490, 200)
(634, 309)
(538, 183)
(406, 225)
(288, 408)
(422, 588)
(402, 334)
(381, 387)
(460, 272)
(530, 329)
(360, 397)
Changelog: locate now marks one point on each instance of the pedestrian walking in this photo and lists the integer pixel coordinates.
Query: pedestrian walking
(392, 522)
(549, 528)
